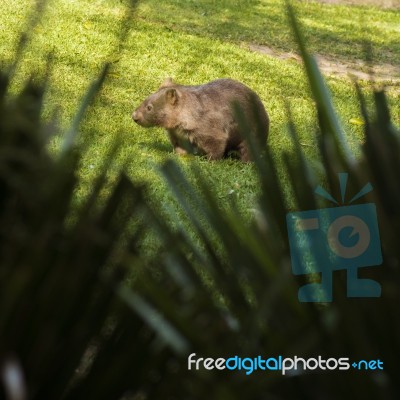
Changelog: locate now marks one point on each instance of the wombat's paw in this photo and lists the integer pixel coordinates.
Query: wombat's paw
(180, 151)
(213, 157)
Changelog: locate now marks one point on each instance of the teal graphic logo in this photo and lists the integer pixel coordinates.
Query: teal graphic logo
(338, 238)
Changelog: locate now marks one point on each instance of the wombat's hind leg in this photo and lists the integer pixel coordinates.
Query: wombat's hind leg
(213, 148)
(244, 152)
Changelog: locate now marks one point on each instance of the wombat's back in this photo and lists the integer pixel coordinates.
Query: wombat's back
(220, 98)
(225, 94)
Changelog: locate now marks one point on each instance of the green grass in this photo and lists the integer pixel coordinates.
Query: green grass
(334, 30)
(193, 42)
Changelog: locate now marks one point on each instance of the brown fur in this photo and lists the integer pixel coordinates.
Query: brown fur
(203, 117)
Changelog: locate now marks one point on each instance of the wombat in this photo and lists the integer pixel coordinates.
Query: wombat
(204, 117)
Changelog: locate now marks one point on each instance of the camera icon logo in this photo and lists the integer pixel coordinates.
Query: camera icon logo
(337, 238)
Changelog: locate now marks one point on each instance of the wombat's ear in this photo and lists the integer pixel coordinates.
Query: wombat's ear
(167, 83)
(172, 96)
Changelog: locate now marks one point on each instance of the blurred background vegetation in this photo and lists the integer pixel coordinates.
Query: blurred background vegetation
(108, 285)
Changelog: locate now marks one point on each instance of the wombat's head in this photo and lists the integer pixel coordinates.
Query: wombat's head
(160, 108)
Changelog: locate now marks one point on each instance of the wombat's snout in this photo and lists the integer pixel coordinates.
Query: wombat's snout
(135, 116)
(140, 118)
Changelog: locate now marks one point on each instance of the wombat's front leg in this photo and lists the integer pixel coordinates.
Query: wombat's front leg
(173, 137)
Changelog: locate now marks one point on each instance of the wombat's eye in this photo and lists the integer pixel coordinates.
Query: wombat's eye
(149, 107)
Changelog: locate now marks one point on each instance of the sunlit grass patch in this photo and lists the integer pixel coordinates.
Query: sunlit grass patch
(193, 42)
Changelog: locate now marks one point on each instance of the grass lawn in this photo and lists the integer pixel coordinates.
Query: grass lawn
(193, 42)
